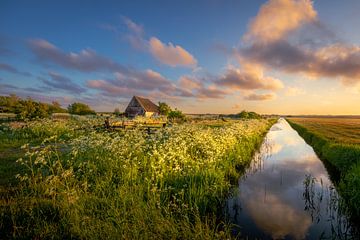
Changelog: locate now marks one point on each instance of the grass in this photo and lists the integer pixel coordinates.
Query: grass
(78, 182)
(337, 141)
(339, 130)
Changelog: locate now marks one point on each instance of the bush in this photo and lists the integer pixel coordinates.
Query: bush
(248, 115)
(177, 115)
(80, 109)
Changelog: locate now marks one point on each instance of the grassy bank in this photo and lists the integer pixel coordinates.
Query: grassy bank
(335, 141)
(127, 184)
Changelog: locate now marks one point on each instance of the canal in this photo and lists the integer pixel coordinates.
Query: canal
(286, 193)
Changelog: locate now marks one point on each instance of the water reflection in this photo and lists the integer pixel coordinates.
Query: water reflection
(286, 193)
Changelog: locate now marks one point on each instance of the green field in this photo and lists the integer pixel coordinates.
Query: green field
(67, 179)
(337, 141)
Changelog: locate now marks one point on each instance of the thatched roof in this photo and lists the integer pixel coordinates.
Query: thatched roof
(148, 105)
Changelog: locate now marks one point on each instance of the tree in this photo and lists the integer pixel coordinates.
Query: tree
(80, 109)
(248, 115)
(176, 115)
(164, 108)
(55, 107)
(116, 111)
(28, 108)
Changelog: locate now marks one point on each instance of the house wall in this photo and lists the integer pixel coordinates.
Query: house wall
(150, 114)
(134, 109)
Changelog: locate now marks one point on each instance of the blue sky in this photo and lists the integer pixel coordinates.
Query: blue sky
(200, 56)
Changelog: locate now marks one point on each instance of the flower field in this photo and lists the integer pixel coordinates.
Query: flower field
(75, 181)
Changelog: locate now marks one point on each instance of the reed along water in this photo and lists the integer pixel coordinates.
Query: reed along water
(286, 193)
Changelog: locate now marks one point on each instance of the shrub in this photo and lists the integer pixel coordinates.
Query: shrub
(80, 109)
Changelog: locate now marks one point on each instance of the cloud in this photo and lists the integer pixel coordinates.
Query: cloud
(171, 55)
(86, 60)
(11, 69)
(277, 18)
(273, 43)
(4, 42)
(57, 82)
(134, 81)
(136, 35)
(201, 88)
(236, 106)
(168, 54)
(187, 82)
(249, 77)
(149, 82)
(260, 97)
(211, 92)
(110, 89)
(294, 91)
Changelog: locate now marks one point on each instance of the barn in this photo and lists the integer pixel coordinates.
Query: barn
(139, 106)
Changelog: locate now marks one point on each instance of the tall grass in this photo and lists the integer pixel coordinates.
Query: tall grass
(131, 185)
(344, 157)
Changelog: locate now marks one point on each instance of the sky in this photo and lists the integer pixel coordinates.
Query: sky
(213, 56)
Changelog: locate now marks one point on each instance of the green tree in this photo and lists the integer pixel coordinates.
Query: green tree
(248, 115)
(80, 109)
(164, 108)
(116, 112)
(55, 107)
(177, 115)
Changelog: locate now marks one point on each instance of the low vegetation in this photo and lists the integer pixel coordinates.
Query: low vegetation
(74, 181)
(338, 142)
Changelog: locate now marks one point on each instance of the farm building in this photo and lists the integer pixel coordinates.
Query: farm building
(139, 106)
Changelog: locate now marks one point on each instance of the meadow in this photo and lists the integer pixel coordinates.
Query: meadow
(69, 179)
(336, 141)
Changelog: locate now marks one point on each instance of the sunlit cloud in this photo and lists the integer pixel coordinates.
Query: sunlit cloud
(294, 91)
(260, 97)
(171, 55)
(187, 82)
(268, 43)
(248, 77)
(236, 106)
(277, 18)
(166, 53)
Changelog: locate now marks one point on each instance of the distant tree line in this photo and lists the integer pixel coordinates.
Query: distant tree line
(245, 115)
(30, 109)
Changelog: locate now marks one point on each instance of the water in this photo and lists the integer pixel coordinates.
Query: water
(286, 193)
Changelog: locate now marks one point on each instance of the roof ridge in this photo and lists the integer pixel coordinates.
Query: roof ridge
(146, 104)
(138, 99)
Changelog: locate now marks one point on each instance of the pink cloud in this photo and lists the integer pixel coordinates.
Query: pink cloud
(277, 18)
(86, 60)
(249, 77)
(60, 82)
(260, 97)
(171, 55)
(268, 43)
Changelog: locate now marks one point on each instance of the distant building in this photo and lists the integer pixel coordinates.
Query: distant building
(139, 106)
